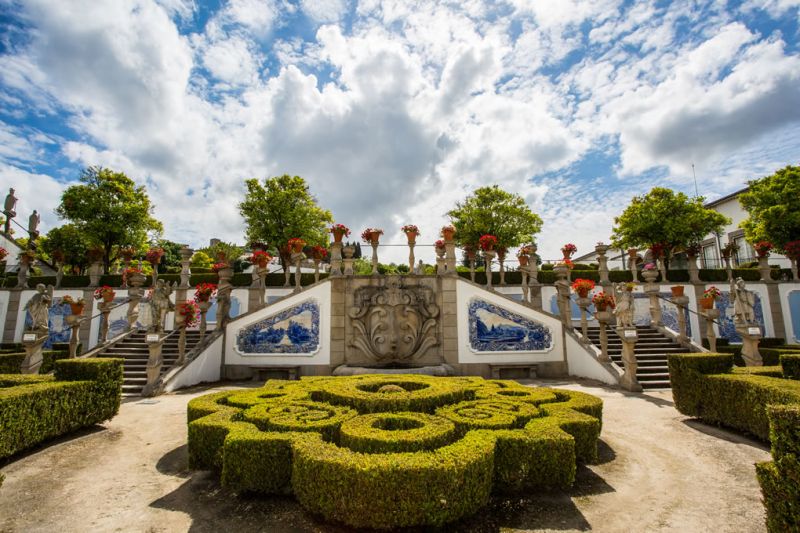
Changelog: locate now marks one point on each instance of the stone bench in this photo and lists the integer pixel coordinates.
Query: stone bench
(513, 371)
(263, 373)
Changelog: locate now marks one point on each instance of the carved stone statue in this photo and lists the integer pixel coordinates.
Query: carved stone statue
(160, 305)
(744, 302)
(39, 308)
(10, 205)
(624, 309)
(33, 224)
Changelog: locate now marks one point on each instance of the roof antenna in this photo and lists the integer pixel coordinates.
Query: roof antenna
(696, 194)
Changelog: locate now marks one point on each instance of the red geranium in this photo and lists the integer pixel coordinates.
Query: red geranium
(763, 248)
(487, 242)
(190, 312)
(204, 291)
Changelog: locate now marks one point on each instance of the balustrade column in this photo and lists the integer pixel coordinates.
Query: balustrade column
(629, 336)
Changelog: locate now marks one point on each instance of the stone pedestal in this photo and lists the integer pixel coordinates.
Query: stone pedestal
(336, 259)
(603, 318)
(602, 263)
(629, 337)
(135, 294)
(374, 245)
(317, 261)
(155, 361)
(186, 261)
(450, 257)
(297, 257)
(681, 302)
(728, 268)
(562, 295)
(502, 269)
(95, 271)
(33, 341)
(711, 315)
(411, 259)
(22, 274)
(224, 297)
(74, 322)
(59, 274)
(583, 304)
(632, 262)
(488, 256)
(751, 335)
(763, 268)
(204, 307)
(662, 268)
(349, 251)
(694, 272)
(523, 270)
(651, 289)
(105, 309)
(180, 323)
(9, 215)
(441, 265)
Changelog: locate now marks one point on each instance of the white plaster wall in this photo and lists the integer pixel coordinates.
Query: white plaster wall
(4, 297)
(115, 314)
(582, 364)
(784, 289)
(465, 292)
(320, 293)
(202, 369)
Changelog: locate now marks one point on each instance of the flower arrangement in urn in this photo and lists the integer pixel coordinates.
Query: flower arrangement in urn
(763, 248)
(729, 249)
(204, 291)
(448, 232)
(709, 297)
(216, 267)
(154, 255)
(659, 249)
(582, 287)
(319, 253)
(130, 271)
(26, 256)
(412, 232)
(568, 249)
(603, 301)
(566, 262)
(371, 235)
(487, 242)
(127, 252)
(260, 258)
(76, 306)
(792, 250)
(296, 244)
(524, 254)
(104, 293)
(650, 267)
(189, 311)
(339, 231)
(439, 245)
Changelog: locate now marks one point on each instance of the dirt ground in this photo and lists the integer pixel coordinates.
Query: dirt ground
(659, 471)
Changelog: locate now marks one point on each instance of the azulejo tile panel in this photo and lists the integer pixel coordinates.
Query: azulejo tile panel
(727, 329)
(56, 321)
(292, 331)
(494, 329)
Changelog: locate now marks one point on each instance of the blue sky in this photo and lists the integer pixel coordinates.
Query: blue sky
(394, 111)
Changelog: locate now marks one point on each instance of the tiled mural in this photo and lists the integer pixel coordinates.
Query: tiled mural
(727, 329)
(494, 329)
(56, 321)
(292, 331)
(794, 312)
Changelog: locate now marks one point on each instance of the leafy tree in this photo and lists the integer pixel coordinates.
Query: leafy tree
(282, 208)
(172, 254)
(491, 210)
(201, 259)
(664, 216)
(110, 210)
(773, 206)
(71, 242)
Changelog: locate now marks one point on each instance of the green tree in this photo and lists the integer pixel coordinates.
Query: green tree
(493, 211)
(110, 210)
(71, 242)
(172, 254)
(282, 208)
(664, 216)
(773, 207)
(201, 259)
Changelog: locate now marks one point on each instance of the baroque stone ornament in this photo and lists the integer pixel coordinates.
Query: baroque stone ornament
(394, 322)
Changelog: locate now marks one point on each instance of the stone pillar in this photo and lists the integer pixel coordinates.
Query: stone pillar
(22, 274)
(374, 244)
(336, 259)
(602, 264)
(440, 262)
(224, 297)
(728, 268)
(105, 309)
(694, 272)
(629, 336)
(59, 273)
(204, 306)
(317, 261)
(751, 335)
(562, 294)
(632, 262)
(186, 261)
(794, 269)
(180, 323)
(297, 258)
(348, 260)
(74, 323)
(95, 271)
(501, 260)
(33, 342)
(662, 268)
(155, 361)
(450, 256)
(680, 303)
(651, 289)
(603, 318)
(488, 256)
(411, 258)
(711, 315)
(763, 268)
(583, 304)
(135, 294)
(470, 250)
(523, 269)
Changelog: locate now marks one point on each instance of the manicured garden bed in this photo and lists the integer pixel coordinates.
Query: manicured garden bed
(389, 451)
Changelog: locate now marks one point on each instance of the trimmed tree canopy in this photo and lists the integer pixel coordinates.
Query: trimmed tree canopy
(773, 206)
(493, 211)
(110, 210)
(664, 216)
(283, 208)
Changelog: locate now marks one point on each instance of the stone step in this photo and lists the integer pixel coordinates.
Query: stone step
(661, 384)
(655, 369)
(652, 377)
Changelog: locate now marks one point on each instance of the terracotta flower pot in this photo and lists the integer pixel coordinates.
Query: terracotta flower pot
(297, 247)
(108, 297)
(262, 263)
(412, 238)
(77, 309)
(523, 260)
(677, 290)
(448, 234)
(338, 235)
(374, 237)
(707, 303)
(600, 307)
(583, 293)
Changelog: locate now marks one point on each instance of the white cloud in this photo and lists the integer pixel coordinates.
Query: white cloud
(323, 11)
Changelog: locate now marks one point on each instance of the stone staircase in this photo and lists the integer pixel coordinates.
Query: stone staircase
(133, 350)
(651, 351)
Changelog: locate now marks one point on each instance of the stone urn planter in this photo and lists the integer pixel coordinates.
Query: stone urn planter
(523, 260)
(707, 303)
(76, 309)
(448, 233)
(650, 276)
(339, 231)
(296, 245)
(677, 291)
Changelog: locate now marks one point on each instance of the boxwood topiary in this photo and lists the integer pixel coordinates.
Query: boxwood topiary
(780, 478)
(386, 451)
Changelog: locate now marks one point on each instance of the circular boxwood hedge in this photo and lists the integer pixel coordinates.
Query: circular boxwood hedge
(386, 451)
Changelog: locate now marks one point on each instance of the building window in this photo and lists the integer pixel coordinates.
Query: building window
(745, 253)
(709, 256)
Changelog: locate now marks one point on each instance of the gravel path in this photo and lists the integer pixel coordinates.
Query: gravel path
(659, 471)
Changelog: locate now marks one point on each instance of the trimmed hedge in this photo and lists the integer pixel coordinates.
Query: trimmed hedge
(790, 364)
(34, 408)
(780, 478)
(703, 386)
(240, 279)
(386, 451)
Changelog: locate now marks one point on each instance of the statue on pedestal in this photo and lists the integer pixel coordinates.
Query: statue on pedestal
(33, 224)
(160, 304)
(9, 209)
(624, 309)
(39, 308)
(744, 302)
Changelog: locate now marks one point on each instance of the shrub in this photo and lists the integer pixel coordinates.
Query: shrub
(703, 386)
(780, 478)
(393, 450)
(772, 356)
(790, 363)
(36, 408)
(11, 363)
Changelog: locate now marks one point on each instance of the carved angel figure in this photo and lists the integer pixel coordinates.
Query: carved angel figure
(624, 309)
